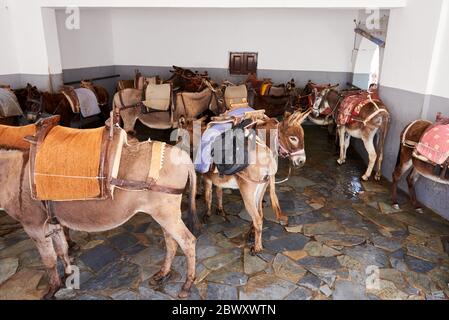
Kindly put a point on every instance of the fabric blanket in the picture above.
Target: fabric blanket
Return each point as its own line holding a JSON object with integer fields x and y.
{"x": 67, "y": 164}
{"x": 9, "y": 106}
{"x": 204, "y": 159}
{"x": 88, "y": 102}
{"x": 434, "y": 144}
{"x": 13, "y": 137}
{"x": 351, "y": 106}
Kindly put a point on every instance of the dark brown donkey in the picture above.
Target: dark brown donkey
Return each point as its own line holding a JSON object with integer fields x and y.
{"x": 39, "y": 102}
{"x": 410, "y": 138}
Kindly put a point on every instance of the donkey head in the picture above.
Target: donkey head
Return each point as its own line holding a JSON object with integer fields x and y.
{"x": 291, "y": 138}
{"x": 320, "y": 94}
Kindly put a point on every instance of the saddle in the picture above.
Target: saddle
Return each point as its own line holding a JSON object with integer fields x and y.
{"x": 158, "y": 97}
{"x": 216, "y": 141}
{"x": 191, "y": 104}
{"x": 433, "y": 147}
{"x": 72, "y": 164}
{"x": 14, "y": 137}
{"x": 351, "y": 106}
{"x": 235, "y": 95}
{"x": 230, "y": 150}
{"x": 82, "y": 100}
{"x": 88, "y": 84}
{"x": 9, "y": 105}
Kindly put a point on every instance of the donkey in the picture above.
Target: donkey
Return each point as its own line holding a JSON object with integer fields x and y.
{"x": 102, "y": 215}
{"x": 410, "y": 138}
{"x": 256, "y": 178}
{"x": 39, "y": 102}
{"x": 373, "y": 118}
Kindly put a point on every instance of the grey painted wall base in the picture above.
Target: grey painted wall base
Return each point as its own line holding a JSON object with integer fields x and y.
{"x": 405, "y": 107}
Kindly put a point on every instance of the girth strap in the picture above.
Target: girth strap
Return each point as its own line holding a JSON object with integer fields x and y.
{"x": 150, "y": 185}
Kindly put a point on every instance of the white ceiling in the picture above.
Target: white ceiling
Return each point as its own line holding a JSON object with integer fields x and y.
{"x": 332, "y": 4}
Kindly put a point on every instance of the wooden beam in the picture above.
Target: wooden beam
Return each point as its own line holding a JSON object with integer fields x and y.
{"x": 370, "y": 37}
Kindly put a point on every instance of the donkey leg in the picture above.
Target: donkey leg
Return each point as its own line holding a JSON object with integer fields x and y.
{"x": 372, "y": 155}
{"x": 411, "y": 180}
{"x": 62, "y": 250}
{"x": 174, "y": 226}
{"x": 400, "y": 169}
{"x": 252, "y": 197}
{"x": 282, "y": 218}
{"x": 342, "y": 135}
{"x": 73, "y": 246}
{"x": 165, "y": 271}
{"x": 220, "y": 209}
{"x": 207, "y": 198}
{"x": 49, "y": 258}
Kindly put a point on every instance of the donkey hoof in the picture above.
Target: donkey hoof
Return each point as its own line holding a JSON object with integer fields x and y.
{"x": 205, "y": 218}
{"x": 159, "y": 278}
{"x": 396, "y": 207}
{"x": 419, "y": 210}
{"x": 377, "y": 177}
{"x": 283, "y": 221}
{"x": 365, "y": 178}
{"x": 184, "y": 293}
{"x": 50, "y": 295}
{"x": 253, "y": 251}
{"x": 341, "y": 162}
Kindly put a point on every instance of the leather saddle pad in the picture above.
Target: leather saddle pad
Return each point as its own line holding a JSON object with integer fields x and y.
{"x": 193, "y": 103}
{"x": 82, "y": 100}
{"x": 235, "y": 95}
{"x": 9, "y": 105}
{"x": 158, "y": 96}
{"x": 276, "y": 91}
{"x": 13, "y": 137}
{"x": 67, "y": 164}
{"x": 434, "y": 144}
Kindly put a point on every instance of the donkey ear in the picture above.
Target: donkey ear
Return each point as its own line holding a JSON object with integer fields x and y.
{"x": 303, "y": 116}
{"x": 439, "y": 117}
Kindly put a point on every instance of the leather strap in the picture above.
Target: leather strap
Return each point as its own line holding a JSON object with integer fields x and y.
{"x": 131, "y": 185}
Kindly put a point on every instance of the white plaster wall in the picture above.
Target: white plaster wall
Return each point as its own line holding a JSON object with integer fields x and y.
{"x": 8, "y": 62}
{"x": 410, "y": 45}
{"x": 89, "y": 46}
{"x": 440, "y": 85}
{"x": 295, "y": 39}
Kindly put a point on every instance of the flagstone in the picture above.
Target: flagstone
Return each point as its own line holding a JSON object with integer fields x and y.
{"x": 287, "y": 269}
{"x": 266, "y": 287}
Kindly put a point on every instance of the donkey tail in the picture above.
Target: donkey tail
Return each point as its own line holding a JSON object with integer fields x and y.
{"x": 193, "y": 221}
{"x": 383, "y": 131}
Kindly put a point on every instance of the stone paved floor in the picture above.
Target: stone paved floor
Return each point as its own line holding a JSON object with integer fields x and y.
{"x": 342, "y": 235}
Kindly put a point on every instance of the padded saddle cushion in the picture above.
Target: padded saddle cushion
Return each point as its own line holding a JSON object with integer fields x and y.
{"x": 434, "y": 144}
{"x": 235, "y": 95}
{"x": 67, "y": 164}
{"x": 9, "y": 105}
{"x": 192, "y": 104}
{"x": 158, "y": 96}
{"x": 13, "y": 137}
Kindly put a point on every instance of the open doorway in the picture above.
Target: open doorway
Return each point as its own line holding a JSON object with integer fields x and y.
{"x": 366, "y": 64}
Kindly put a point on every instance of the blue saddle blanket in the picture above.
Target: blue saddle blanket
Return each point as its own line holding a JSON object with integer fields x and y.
{"x": 203, "y": 158}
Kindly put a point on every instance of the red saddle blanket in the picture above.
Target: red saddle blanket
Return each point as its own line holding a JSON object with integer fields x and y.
{"x": 350, "y": 107}
{"x": 434, "y": 144}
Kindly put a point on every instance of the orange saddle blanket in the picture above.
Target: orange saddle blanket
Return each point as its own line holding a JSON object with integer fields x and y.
{"x": 13, "y": 137}
{"x": 67, "y": 165}
{"x": 350, "y": 107}
{"x": 434, "y": 144}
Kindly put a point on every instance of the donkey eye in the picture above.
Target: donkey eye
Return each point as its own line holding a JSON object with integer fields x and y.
{"x": 294, "y": 140}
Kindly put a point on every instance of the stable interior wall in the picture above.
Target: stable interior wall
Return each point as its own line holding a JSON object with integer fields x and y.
{"x": 296, "y": 43}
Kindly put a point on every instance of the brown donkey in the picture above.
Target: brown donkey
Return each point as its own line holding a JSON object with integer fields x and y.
{"x": 102, "y": 215}
{"x": 256, "y": 178}
{"x": 410, "y": 138}
{"x": 361, "y": 115}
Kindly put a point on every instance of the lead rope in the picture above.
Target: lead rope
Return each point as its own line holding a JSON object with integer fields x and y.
{"x": 278, "y": 144}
